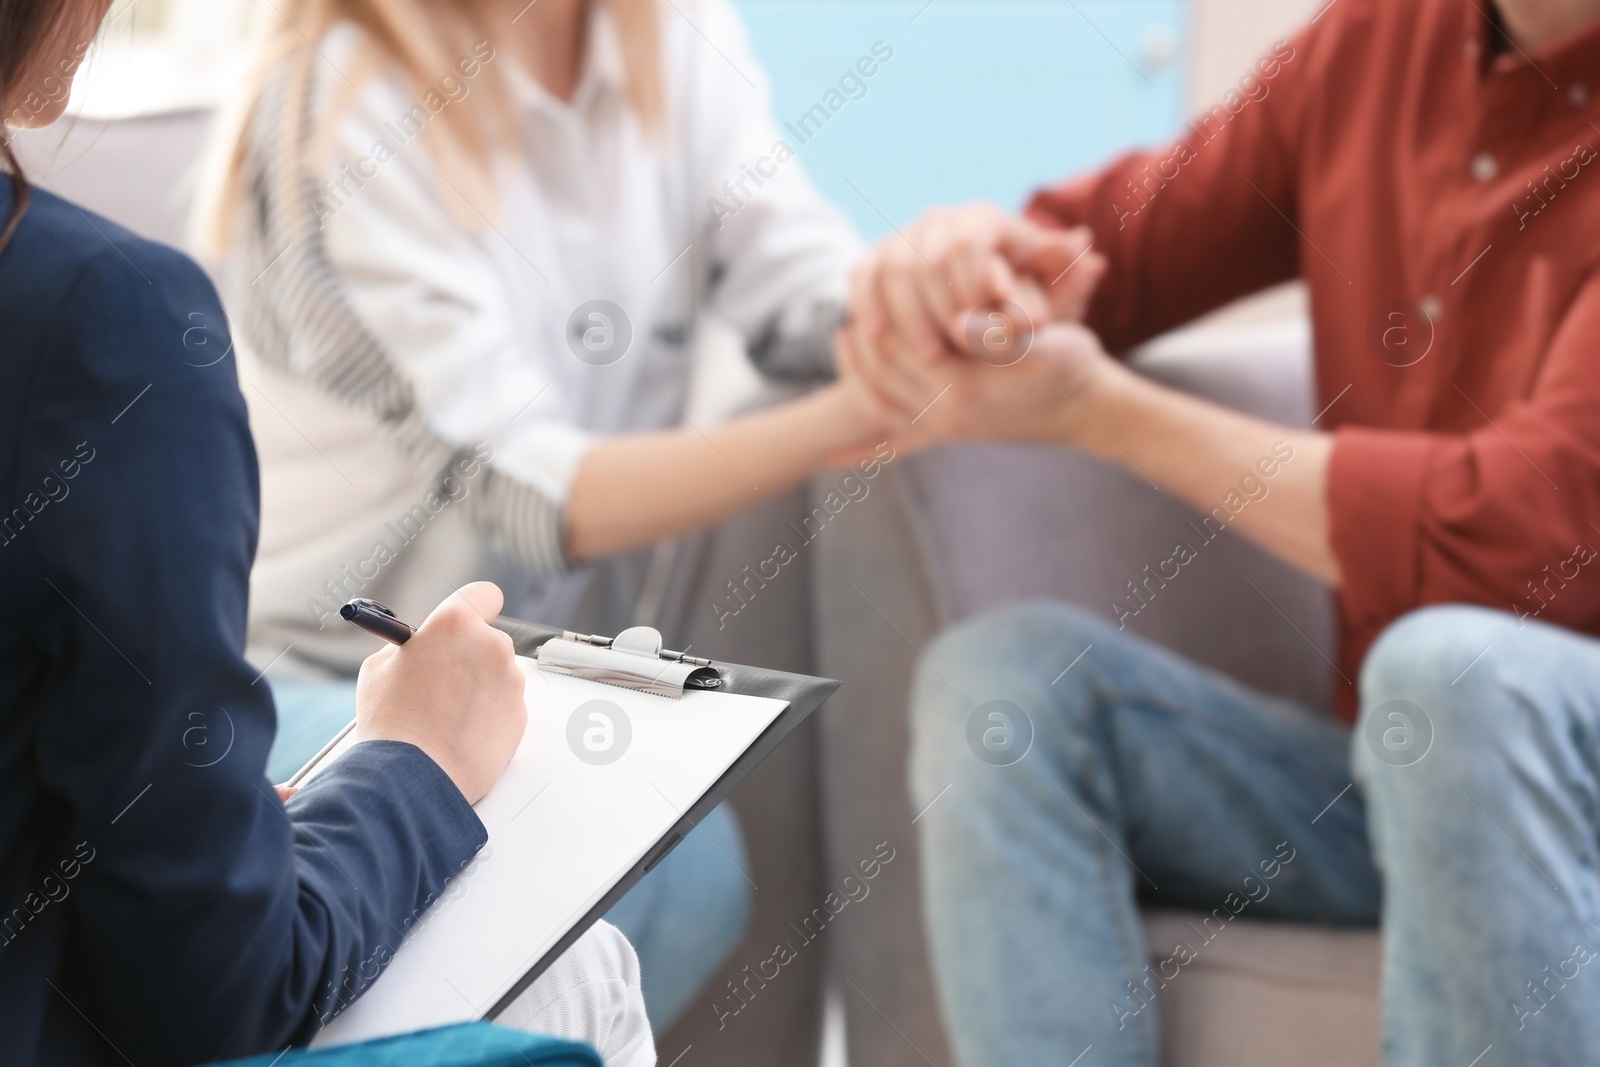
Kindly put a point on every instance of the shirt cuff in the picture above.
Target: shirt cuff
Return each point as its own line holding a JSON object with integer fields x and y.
{"x": 798, "y": 347}
{"x": 1375, "y": 486}
{"x": 544, "y": 456}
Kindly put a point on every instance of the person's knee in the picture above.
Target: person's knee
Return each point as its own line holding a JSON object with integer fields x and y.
{"x": 608, "y": 954}
{"x": 1444, "y": 699}
{"x": 615, "y": 999}
{"x": 1006, "y": 661}
{"x": 592, "y": 993}
{"x": 595, "y": 978}
{"x": 1423, "y": 655}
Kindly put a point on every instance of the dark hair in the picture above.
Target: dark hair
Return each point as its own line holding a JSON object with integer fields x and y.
{"x": 26, "y": 26}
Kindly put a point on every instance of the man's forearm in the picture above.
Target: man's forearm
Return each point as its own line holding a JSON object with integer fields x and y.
{"x": 1271, "y": 481}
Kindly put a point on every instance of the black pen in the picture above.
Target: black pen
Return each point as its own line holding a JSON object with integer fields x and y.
{"x": 377, "y": 620}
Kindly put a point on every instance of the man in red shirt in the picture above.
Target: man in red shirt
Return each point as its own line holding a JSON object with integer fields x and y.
{"x": 1431, "y": 169}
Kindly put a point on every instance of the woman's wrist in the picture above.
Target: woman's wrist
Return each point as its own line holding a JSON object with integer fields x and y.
{"x": 846, "y": 415}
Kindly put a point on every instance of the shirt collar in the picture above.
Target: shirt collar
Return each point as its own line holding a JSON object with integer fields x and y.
{"x": 1578, "y": 56}
{"x": 604, "y": 69}
{"x": 603, "y": 62}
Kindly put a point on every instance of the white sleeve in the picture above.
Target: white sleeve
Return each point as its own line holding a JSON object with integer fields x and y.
{"x": 424, "y": 286}
{"x": 781, "y": 252}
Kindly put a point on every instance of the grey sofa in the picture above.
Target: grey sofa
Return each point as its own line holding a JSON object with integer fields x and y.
{"x": 960, "y": 530}
{"x": 938, "y": 538}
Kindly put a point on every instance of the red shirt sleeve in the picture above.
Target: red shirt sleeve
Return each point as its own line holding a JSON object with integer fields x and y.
{"x": 1507, "y": 515}
{"x": 1204, "y": 220}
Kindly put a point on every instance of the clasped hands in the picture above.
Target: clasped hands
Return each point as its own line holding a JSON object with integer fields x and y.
{"x": 968, "y": 327}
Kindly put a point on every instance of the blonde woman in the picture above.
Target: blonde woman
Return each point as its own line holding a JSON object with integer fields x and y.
{"x": 469, "y": 245}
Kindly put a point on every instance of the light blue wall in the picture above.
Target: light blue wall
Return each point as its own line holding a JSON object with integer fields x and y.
{"x": 983, "y": 99}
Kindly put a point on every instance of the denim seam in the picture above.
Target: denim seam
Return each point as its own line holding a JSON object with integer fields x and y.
{"x": 1130, "y": 942}
{"x": 1158, "y": 703}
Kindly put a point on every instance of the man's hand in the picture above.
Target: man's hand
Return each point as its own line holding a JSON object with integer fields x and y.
{"x": 454, "y": 690}
{"x": 920, "y": 284}
{"x": 953, "y": 397}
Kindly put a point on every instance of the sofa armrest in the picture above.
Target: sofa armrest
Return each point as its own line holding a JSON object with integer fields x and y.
{"x": 999, "y": 523}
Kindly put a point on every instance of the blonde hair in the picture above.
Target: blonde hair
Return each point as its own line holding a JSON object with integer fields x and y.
{"x": 424, "y": 41}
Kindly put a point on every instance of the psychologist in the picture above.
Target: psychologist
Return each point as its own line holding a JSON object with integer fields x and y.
{"x": 159, "y": 902}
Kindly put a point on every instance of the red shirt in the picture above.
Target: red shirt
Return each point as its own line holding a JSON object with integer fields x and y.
{"x": 1442, "y": 203}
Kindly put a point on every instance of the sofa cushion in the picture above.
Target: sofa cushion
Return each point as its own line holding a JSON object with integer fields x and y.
{"x": 1262, "y": 994}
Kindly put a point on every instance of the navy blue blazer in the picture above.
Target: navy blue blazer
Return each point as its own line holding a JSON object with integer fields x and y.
{"x": 158, "y": 903}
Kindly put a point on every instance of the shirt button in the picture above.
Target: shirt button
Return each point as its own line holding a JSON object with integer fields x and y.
{"x": 1578, "y": 95}
{"x": 1484, "y": 168}
{"x": 1431, "y": 306}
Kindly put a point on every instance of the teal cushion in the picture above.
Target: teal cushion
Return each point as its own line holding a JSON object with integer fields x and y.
{"x": 463, "y": 1045}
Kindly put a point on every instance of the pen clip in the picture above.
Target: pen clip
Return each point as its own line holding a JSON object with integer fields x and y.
{"x": 374, "y": 605}
{"x": 377, "y": 619}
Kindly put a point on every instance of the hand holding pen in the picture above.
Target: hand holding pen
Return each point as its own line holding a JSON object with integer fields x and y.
{"x": 451, "y": 686}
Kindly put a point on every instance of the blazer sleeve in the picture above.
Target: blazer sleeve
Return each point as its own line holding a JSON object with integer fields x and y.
{"x": 211, "y": 921}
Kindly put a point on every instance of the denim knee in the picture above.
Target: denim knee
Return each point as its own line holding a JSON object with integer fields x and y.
{"x": 1442, "y": 697}
{"x": 1010, "y": 655}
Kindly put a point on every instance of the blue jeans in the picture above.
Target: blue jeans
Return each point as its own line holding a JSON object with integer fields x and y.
{"x": 683, "y": 918}
{"x": 1056, "y": 802}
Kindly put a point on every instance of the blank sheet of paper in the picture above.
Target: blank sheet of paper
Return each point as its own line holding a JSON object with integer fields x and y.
{"x": 587, "y": 796}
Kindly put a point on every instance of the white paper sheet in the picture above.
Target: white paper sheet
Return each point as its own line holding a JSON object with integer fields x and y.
{"x": 562, "y": 831}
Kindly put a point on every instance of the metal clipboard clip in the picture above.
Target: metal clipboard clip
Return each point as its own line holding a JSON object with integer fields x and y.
{"x": 634, "y": 659}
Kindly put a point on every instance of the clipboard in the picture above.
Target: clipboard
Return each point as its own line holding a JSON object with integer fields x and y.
{"x": 804, "y": 694}
{"x": 633, "y": 660}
